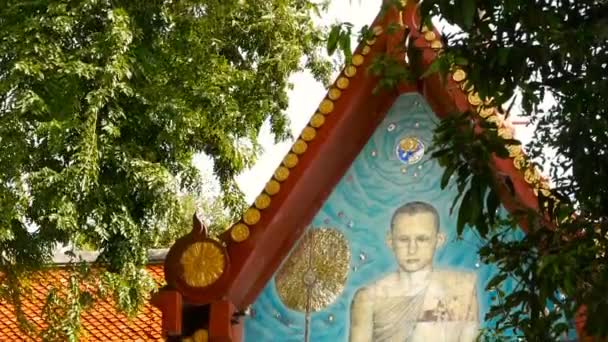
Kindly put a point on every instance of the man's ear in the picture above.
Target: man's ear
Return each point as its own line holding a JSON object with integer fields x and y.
{"x": 440, "y": 239}
{"x": 389, "y": 239}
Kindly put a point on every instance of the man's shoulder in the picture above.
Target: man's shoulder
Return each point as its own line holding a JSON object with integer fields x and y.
{"x": 372, "y": 289}
{"x": 461, "y": 279}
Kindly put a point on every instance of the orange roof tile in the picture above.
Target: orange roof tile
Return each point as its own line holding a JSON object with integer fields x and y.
{"x": 102, "y": 322}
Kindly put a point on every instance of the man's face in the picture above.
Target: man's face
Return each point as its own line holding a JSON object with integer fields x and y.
{"x": 414, "y": 239}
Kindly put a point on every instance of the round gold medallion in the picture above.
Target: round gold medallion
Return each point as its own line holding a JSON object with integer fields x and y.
{"x": 342, "y": 83}
{"x": 240, "y": 232}
{"x": 531, "y": 175}
{"x": 252, "y": 216}
{"x": 505, "y": 133}
{"x": 514, "y": 150}
{"x": 357, "y": 59}
{"x": 308, "y": 133}
{"x": 317, "y": 120}
{"x": 484, "y": 112}
{"x": 519, "y": 162}
{"x": 290, "y": 160}
{"x": 350, "y": 71}
{"x": 429, "y": 36}
{"x": 366, "y": 49}
{"x": 326, "y": 106}
{"x": 436, "y": 44}
{"x": 495, "y": 119}
{"x": 262, "y": 201}
{"x": 272, "y": 187}
{"x": 203, "y": 263}
{"x": 474, "y": 99}
{"x": 315, "y": 271}
{"x": 377, "y": 30}
{"x": 299, "y": 146}
{"x": 459, "y": 75}
{"x": 281, "y": 173}
{"x": 334, "y": 94}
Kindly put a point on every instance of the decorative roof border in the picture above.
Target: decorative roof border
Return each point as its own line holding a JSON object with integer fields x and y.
{"x": 240, "y": 231}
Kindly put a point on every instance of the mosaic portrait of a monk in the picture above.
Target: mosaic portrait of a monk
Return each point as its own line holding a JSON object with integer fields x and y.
{"x": 417, "y": 302}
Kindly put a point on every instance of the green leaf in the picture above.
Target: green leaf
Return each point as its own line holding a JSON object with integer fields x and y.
{"x": 496, "y": 281}
{"x": 468, "y": 12}
{"x": 447, "y": 173}
{"x": 492, "y": 202}
{"x": 332, "y": 39}
{"x": 435, "y": 67}
{"x": 464, "y": 212}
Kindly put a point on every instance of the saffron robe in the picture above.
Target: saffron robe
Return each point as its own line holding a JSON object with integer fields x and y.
{"x": 442, "y": 308}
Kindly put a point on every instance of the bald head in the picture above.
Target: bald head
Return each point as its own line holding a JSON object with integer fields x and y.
{"x": 414, "y": 208}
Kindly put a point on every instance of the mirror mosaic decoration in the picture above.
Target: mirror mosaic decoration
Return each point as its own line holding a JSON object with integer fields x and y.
{"x": 380, "y": 260}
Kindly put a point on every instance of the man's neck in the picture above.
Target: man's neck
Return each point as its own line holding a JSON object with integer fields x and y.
{"x": 415, "y": 280}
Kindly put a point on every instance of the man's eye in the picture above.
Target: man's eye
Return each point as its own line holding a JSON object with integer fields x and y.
{"x": 423, "y": 238}
{"x": 404, "y": 239}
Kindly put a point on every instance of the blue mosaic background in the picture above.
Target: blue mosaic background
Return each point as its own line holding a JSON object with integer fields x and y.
{"x": 361, "y": 206}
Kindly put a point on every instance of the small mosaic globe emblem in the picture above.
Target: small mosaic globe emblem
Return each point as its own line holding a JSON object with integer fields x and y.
{"x": 410, "y": 150}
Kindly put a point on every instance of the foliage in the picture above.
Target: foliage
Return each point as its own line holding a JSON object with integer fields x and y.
{"x": 103, "y": 105}
{"x": 216, "y": 217}
{"x": 552, "y": 57}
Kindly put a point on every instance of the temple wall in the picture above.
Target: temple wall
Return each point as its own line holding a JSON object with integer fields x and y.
{"x": 345, "y": 252}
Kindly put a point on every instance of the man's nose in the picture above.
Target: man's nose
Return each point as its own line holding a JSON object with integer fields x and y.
{"x": 412, "y": 247}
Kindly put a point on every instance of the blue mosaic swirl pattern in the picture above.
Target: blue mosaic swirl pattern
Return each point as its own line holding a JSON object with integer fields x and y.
{"x": 361, "y": 206}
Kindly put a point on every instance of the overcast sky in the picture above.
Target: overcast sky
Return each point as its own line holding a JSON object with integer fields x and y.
{"x": 304, "y": 98}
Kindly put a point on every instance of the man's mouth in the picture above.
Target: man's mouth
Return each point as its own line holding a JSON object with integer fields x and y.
{"x": 412, "y": 261}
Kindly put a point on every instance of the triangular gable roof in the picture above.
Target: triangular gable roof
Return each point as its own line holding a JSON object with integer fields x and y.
{"x": 337, "y": 131}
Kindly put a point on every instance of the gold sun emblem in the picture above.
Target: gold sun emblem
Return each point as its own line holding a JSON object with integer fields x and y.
{"x": 203, "y": 264}
{"x": 408, "y": 144}
{"x": 315, "y": 273}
